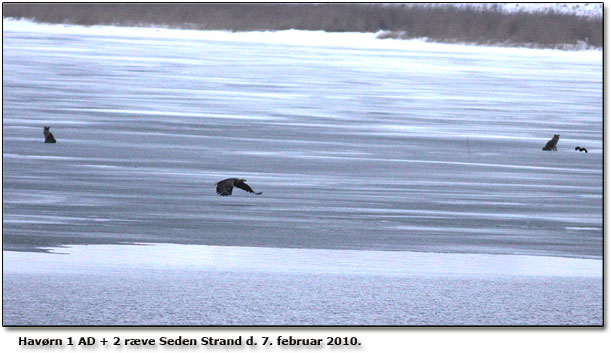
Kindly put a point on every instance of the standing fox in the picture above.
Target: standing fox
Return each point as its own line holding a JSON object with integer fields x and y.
{"x": 48, "y": 135}
{"x": 551, "y": 144}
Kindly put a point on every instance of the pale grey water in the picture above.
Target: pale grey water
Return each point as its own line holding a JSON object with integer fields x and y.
{"x": 167, "y": 284}
{"x": 354, "y": 147}
{"x": 226, "y": 298}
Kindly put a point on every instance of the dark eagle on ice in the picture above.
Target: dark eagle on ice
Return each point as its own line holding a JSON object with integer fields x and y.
{"x": 224, "y": 187}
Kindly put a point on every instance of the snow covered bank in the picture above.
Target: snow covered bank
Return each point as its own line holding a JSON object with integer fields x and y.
{"x": 102, "y": 258}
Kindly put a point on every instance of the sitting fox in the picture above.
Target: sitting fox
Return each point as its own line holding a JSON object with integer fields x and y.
{"x": 551, "y": 144}
{"x": 48, "y": 135}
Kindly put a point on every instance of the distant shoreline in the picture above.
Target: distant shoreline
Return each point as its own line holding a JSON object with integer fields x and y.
{"x": 445, "y": 24}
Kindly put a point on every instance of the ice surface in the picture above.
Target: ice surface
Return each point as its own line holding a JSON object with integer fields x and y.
{"x": 345, "y": 43}
{"x": 210, "y": 285}
{"x": 356, "y": 143}
{"x": 104, "y": 258}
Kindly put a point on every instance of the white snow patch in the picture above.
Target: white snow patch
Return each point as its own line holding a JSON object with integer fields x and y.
{"x": 299, "y": 38}
{"x": 102, "y": 258}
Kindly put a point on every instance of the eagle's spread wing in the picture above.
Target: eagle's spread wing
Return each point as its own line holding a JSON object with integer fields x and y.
{"x": 224, "y": 187}
{"x": 242, "y": 185}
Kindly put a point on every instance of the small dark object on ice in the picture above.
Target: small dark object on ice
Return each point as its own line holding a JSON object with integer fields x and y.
{"x": 48, "y": 135}
{"x": 581, "y": 149}
{"x": 551, "y": 144}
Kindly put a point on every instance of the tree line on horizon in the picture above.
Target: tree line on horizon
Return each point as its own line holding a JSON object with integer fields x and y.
{"x": 436, "y": 23}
